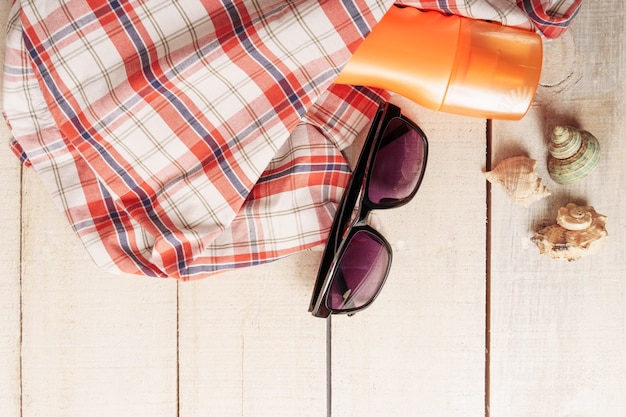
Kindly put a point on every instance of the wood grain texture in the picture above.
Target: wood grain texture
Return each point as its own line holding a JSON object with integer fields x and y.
{"x": 92, "y": 343}
{"x": 419, "y": 351}
{"x": 75, "y": 341}
{"x": 248, "y": 347}
{"x": 558, "y": 329}
{"x": 10, "y": 248}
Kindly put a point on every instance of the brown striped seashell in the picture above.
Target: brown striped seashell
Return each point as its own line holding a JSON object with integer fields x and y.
{"x": 518, "y": 176}
{"x": 578, "y": 232}
{"x": 574, "y": 153}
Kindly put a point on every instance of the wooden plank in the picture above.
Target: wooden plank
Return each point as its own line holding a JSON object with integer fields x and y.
{"x": 93, "y": 343}
{"x": 248, "y": 346}
{"x": 558, "y": 329}
{"x": 10, "y": 188}
{"x": 419, "y": 350}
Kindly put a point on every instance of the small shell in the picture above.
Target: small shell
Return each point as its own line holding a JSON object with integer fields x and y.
{"x": 518, "y": 177}
{"x": 569, "y": 239}
{"x": 574, "y": 153}
{"x": 573, "y": 217}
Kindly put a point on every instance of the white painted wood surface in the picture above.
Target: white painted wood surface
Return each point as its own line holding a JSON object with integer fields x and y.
{"x": 10, "y": 272}
{"x": 558, "y": 329}
{"x": 92, "y": 344}
{"x": 75, "y": 341}
{"x": 248, "y": 346}
{"x": 419, "y": 351}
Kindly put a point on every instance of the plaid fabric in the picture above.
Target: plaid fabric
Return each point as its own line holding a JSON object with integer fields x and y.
{"x": 548, "y": 17}
{"x": 186, "y": 138}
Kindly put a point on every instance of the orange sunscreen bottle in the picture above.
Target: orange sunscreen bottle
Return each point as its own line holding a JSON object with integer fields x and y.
{"x": 450, "y": 63}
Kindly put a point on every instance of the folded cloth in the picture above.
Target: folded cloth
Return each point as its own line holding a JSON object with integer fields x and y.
{"x": 186, "y": 138}
{"x": 548, "y": 17}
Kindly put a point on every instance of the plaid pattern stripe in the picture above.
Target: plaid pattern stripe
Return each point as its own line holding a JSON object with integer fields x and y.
{"x": 548, "y": 17}
{"x": 187, "y": 138}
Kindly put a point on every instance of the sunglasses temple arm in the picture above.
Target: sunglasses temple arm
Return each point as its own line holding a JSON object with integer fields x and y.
{"x": 349, "y": 198}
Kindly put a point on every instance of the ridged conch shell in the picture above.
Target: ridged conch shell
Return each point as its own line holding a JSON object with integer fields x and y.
{"x": 574, "y": 153}
{"x": 578, "y": 232}
{"x": 518, "y": 177}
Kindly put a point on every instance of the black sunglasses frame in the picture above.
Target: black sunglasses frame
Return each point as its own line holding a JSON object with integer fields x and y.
{"x": 339, "y": 237}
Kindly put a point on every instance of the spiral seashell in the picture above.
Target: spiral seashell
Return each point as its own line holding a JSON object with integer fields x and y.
{"x": 573, "y": 217}
{"x": 578, "y": 232}
{"x": 574, "y": 153}
{"x": 518, "y": 177}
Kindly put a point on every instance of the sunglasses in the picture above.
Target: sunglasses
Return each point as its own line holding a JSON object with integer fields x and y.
{"x": 357, "y": 258}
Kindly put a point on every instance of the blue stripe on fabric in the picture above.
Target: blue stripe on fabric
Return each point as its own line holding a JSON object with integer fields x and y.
{"x": 530, "y": 10}
{"x": 271, "y": 113}
{"x": 306, "y": 169}
{"x": 145, "y": 65}
{"x": 121, "y": 232}
{"x": 357, "y": 18}
{"x": 279, "y": 77}
{"x": 443, "y": 5}
{"x": 74, "y": 26}
{"x": 70, "y": 114}
{"x": 182, "y": 109}
{"x": 85, "y": 135}
{"x": 205, "y": 269}
{"x": 252, "y": 234}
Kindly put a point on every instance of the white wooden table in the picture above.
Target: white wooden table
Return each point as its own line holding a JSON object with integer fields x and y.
{"x": 473, "y": 321}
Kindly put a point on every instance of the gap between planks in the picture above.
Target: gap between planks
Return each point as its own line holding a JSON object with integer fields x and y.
{"x": 488, "y": 149}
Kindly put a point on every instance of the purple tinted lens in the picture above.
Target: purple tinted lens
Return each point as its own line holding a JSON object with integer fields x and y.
{"x": 360, "y": 272}
{"x": 398, "y": 163}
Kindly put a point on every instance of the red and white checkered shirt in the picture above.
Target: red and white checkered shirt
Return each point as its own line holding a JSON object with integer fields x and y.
{"x": 183, "y": 138}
